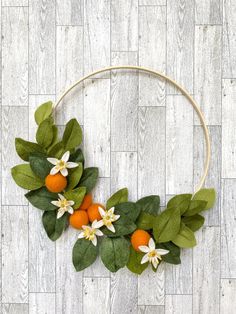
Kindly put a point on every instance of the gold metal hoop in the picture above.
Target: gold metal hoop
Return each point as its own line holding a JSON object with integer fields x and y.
{"x": 168, "y": 79}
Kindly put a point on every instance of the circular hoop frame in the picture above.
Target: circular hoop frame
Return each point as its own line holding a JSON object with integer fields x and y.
{"x": 168, "y": 79}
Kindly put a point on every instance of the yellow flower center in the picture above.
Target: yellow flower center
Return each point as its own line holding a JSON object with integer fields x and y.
{"x": 108, "y": 219}
{"x": 89, "y": 233}
{"x": 63, "y": 203}
{"x": 152, "y": 254}
{"x": 61, "y": 164}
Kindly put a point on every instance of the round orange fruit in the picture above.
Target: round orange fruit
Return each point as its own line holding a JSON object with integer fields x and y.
{"x": 87, "y": 201}
{"x": 93, "y": 212}
{"x": 138, "y": 238}
{"x": 55, "y": 183}
{"x": 78, "y": 219}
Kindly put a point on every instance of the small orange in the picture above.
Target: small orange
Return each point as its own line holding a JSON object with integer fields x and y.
{"x": 139, "y": 237}
{"x": 87, "y": 201}
{"x": 56, "y": 183}
{"x": 93, "y": 212}
{"x": 78, "y": 219}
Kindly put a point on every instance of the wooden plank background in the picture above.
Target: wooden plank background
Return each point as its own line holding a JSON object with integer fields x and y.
{"x": 139, "y": 131}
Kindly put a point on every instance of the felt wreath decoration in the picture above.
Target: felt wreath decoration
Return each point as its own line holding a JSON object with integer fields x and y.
{"x": 124, "y": 233}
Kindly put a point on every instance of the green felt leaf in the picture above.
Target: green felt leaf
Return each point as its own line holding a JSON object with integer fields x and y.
{"x": 166, "y": 226}
{"x": 24, "y": 148}
{"x": 134, "y": 262}
{"x": 173, "y": 257}
{"x": 123, "y": 226}
{"x": 43, "y": 112}
{"x": 114, "y": 253}
{"x": 194, "y": 222}
{"x": 74, "y": 177}
{"x": 120, "y": 196}
{"x": 77, "y": 156}
{"x": 195, "y": 207}
{"x": 42, "y": 198}
{"x": 44, "y": 135}
{"x": 180, "y": 201}
{"x": 185, "y": 238}
{"x": 76, "y": 195}
{"x": 129, "y": 209}
{"x": 208, "y": 195}
{"x": 145, "y": 221}
{"x": 25, "y": 178}
{"x": 54, "y": 227}
{"x": 72, "y": 136}
{"x": 84, "y": 254}
{"x": 89, "y": 178}
{"x": 39, "y": 165}
{"x": 56, "y": 150}
{"x": 55, "y": 135}
{"x": 150, "y": 204}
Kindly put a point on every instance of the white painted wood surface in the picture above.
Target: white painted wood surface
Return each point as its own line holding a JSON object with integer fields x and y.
{"x": 138, "y": 131}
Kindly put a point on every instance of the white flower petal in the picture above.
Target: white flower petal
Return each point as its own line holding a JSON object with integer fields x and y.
{"x": 144, "y": 248}
{"x": 111, "y": 228}
{"x": 155, "y": 262}
{"x": 70, "y": 210}
{"x": 64, "y": 172}
{"x": 99, "y": 232}
{"x": 94, "y": 241}
{"x": 144, "y": 259}
{"x": 162, "y": 252}
{"x": 56, "y": 203}
{"x": 111, "y": 210}
{"x": 53, "y": 171}
{"x": 81, "y": 235}
{"x": 151, "y": 244}
{"x": 101, "y": 211}
{"x": 70, "y": 164}
{"x": 97, "y": 224}
{"x": 61, "y": 196}
{"x": 85, "y": 227}
{"x": 53, "y": 161}
{"x": 71, "y": 203}
{"x": 66, "y": 156}
{"x": 116, "y": 217}
{"x": 60, "y": 213}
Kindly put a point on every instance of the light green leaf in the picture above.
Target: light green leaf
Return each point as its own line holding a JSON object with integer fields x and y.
{"x": 24, "y": 148}
{"x": 195, "y": 207}
{"x": 72, "y": 136}
{"x": 120, "y": 196}
{"x": 134, "y": 263}
{"x": 208, "y": 195}
{"x": 129, "y": 209}
{"x": 84, "y": 254}
{"x": 56, "y": 150}
{"x": 74, "y": 176}
{"x": 194, "y": 222}
{"x": 76, "y": 195}
{"x": 44, "y": 135}
{"x": 123, "y": 226}
{"x": 180, "y": 201}
{"x": 54, "y": 227}
{"x": 114, "y": 253}
{"x": 89, "y": 178}
{"x": 173, "y": 257}
{"x": 145, "y": 221}
{"x": 25, "y": 178}
{"x": 42, "y": 198}
{"x": 43, "y": 112}
{"x": 166, "y": 226}
{"x": 55, "y": 135}
{"x": 150, "y": 204}
{"x": 185, "y": 238}
{"x": 39, "y": 165}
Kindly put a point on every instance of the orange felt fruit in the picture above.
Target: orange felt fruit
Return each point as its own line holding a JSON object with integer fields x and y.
{"x": 55, "y": 183}
{"x": 78, "y": 219}
{"x": 138, "y": 238}
{"x": 87, "y": 201}
{"x": 93, "y": 212}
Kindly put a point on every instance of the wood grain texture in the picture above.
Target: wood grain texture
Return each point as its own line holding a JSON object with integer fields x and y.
{"x": 14, "y": 254}
{"x": 228, "y": 227}
{"x": 70, "y": 12}
{"x": 152, "y": 2}
{"x": 42, "y": 46}
{"x": 151, "y": 309}
{"x": 152, "y": 54}
{"x": 178, "y": 304}
{"x": 15, "y": 309}
{"x": 180, "y": 43}
{"x": 42, "y": 303}
{"x": 14, "y": 56}
{"x": 208, "y": 12}
{"x": 14, "y": 3}
{"x": 227, "y": 296}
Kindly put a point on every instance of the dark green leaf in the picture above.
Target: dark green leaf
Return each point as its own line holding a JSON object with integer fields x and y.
{"x": 134, "y": 263}
{"x": 77, "y": 156}
{"x": 54, "y": 227}
{"x": 166, "y": 226}
{"x": 39, "y": 165}
{"x": 42, "y": 198}
{"x": 114, "y": 253}
{"x": 195, "y": 207}
{"x": 24, "y": 149}
{"x": 74, "y": 177}
{"x": 55, "y": 135}
{"x": 72, "y": 136}
{"x": 25, "y": 178}
{"x": 84, "y": 254}
{"x": 129, "y": 209}
{"x": 145, "y": 221}
{"x": 44, "y": 135}
{"x": 56, "y": 150}
{"x": 173, "y": 257}
{"x": 123, "y": 226}
{"x": 120, "y": 196}
{"x": 76, "y": 195}
{"x": 43, "y": 112}
{"x": 208, "y": 195}
{"x": 89, "y": 178}
{"x": 185, "y": 238}
{"x": 194, "y": 222}
{"x": 180, "y": 201}
{"x": 150, "y": 204}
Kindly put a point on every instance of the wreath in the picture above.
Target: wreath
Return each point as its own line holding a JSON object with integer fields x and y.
{"x": 124, "y": 233}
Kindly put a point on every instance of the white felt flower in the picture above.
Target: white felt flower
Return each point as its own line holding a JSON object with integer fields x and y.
{"x": 62, "y": 164}
{"x": 108, "y": 217}
{"x": 152, "y": 255}
{"x": 64, "y": 206}
{"x": 91, "y": 232}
